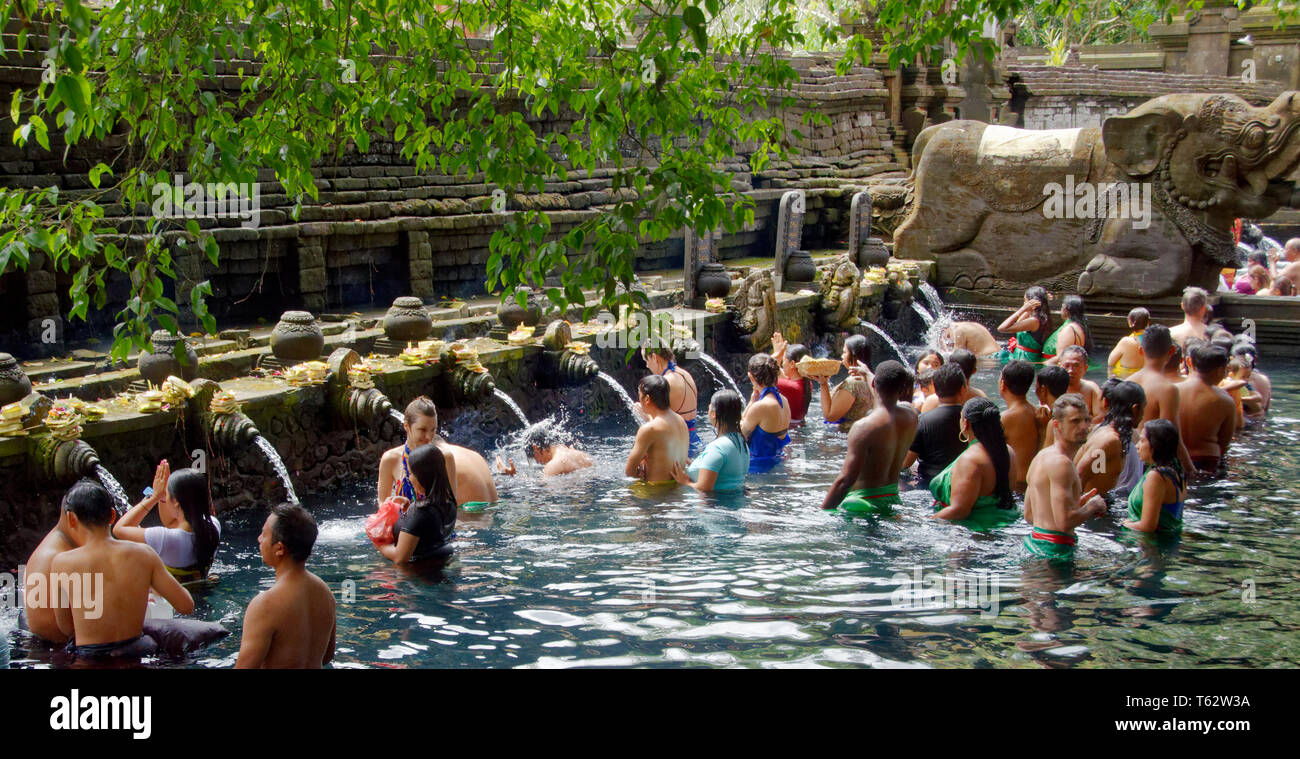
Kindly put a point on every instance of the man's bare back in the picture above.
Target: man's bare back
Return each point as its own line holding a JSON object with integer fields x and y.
{"x": 296, "y": 618}
{"x": 36, "y": 603}
{"x": 882, "y": 440}
{"x": 113, "y": 604}
{"x": 1207, "y": 418}
{"x": 474, "y": 481}
{"x": 1024, "y": 434}
{"x": 662, "y": 442}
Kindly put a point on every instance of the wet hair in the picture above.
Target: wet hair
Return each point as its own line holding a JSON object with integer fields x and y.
{"x": 1175, "y": 359}
{"x": 924, "y": 356}
{"x": 764, "y": 369}
{"x": 1139, "y": 318}
{"x": 1125, "y": 403}
{"x": 655, "y": 388}
{"x": 422, "y": 406}
{"x": 659, "y": 348}
{"x": 986, "y": 424}
{"x": 89, "y": 502}
{"x": 190, "y": 489}
{"x": 1223, "y": 339}
{"x": 295, "y": 527}
{"x": 1073, "y": 308}
{"x": 1236, "y": 364}
{"x": 429, "y": 468}
{"x": 1208, "y": 358}
{"x": 894, "y": 379}
{"x": 1055, "y": 378}
{"x": 542, "y": 435}
{"x": 925, "y": 378}
{"x": 727, "y": 408}
{"x": 1079, "y": 349}
{"x": 1246, "y": 350}
{"x": 1061, "y": 406}
{"x": 1156, "y": 340}
{"x": 1162, "y": 434}
{"x": 948, "y": 380}
{"x": 1018, "y": 376}
{"x": 1194, "y": 299}
{"x": 859, "y": 349}
{"x": 965, "y": 359}
{"x": 1043, "y": 314}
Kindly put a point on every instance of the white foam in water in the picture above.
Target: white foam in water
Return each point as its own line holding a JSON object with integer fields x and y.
{"x": 273, "y": 456}
{"x": 341, "y": 530}
{"x": 885, "y": 336}
{"x": 114, "y": 488}
{"x": 513, "y": 406}
{"x": 627, "y": 399}
{"x": 718, "y": 368}
{"x": 925, "y": 315}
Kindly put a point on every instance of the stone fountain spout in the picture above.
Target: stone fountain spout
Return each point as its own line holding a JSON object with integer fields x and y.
{"x": 352, "y": 394}
{"x": 226, "y": 428}
{"x": 61, "y": 462}
{"x": 470, "y": 383}
{"x": 564, "y": 363}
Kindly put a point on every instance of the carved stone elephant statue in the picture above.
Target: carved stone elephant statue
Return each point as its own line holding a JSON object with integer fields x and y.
{"x": 1141, "y": 207}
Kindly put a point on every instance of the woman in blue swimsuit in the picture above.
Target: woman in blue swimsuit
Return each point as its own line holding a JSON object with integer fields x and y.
{"x": 767, "y": 418}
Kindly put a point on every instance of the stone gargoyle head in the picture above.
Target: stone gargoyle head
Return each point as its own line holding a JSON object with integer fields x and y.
{"x": 1211, "y": 152}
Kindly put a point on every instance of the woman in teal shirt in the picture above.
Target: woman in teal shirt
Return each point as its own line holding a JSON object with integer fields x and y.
{"x": 723, "y": 463}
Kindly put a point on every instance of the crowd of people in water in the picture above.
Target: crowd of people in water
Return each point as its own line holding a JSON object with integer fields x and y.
{"x": 1171, "y": 406}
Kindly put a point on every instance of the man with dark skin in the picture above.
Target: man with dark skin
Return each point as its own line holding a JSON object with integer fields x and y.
{"x": 662, "y": 441}
{"x": 108, "y": 620}
{"x": 1019, "y": 422}
{"x": 1162, "y": 395}
{"x": 292, "y": 624}
{"x": 1207, "y": 416}
{"x": 39, "y": 614}
{"x": 1053, "y": 505}
{"x": 877, "y": 447}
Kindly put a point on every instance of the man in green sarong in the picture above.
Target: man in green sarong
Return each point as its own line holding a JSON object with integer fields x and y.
{"x": 878, "y": 445}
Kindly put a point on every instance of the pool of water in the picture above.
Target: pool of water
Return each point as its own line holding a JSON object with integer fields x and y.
{"x": 586, "y": 571}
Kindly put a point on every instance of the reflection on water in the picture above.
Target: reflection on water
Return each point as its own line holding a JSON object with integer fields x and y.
{"x": 586, "y": 571}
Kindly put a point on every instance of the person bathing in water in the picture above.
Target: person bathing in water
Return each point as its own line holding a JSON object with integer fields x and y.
{"x": 107, "y": 620}
{"x": 663, "y": 441}
{"x": 970, "y": 336}
{"x": 1108, "y": 462}
{"x": 968, "y": 363}
{"x": 426, "y": 527}
{"x": 1161, "y": 394}
{"x": 546, "y": 446}
{"x": 1260, "y": 384}
{"x": 1156, "y": 505}
{"x": 724, "y": 462}
{"x": 1052, "y": 382}
{"x": 1126, "y": 358}
{"x": 1074, "y": 359}
{"x": 796, "y": 389}
{"x": 683, "y": 398}
{"x": 1030, "y": 324}
{"x": 1053, "y": 505}
{"x": 1196, "y": 313}
{"x": 188, "y": 538}
{"x": 290, "y": 625}
{"x": 766, "y": 422}
{"x": 878, "y": 446}
{"x": 1207, "y": 415}
{"x": 37, "y": 614}
{"x": 1073, "y": 331}
{"x": 471, "y": 477}
{"x": 976, "y": 487}
{"x": 924, "y": 374}
{"x": 852, "y": 398}
{"x": 1019, "y": 421}
{"x": 937, "y": 441}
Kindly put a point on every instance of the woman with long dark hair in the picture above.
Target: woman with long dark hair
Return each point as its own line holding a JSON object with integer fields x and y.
{"x": 1073, "y": 331}
{"x": 794, "y": 386}
{"x": 976, "y": 487}
{"x": 188, "y": 538}
{"x": 1109, "y": 461}
{"x": 1156, "y": 505}
{"x": 766, "y": 421}
{"x": 853, "y": 398}
{"x": 425, "y": 529}
{"x": 1031, "y": 324}
{"x": 723, "y": 463}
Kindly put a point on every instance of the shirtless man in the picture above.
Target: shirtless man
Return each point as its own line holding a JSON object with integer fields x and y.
{"x": 968, "y": 363}
{"x": 291, "y": 625}
{"x": 878, "y": 446}
{"x": 1291, "y": 269}
{"x": 683, "y": 397}
{"x": 662, "y": 441}
{"x": 1019, "y": 422}
{"x": 971, "y": 336}
{"x": 1052, "y": 382}
{"x": 1207, "y": 416}
{"x": 474, "y": 486}
{"x": 1196, "y": 309}
{"x": 1053, "y": 506}
{"x": 544, "y": 443}
{"x": 39, "y": 614}
{"x": 1162, "y": 395}
{"x": 1074, "y": 359}
{"x": 103, "y": 606}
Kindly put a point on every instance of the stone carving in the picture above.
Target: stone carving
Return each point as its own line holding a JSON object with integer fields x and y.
{"x": 1172, "y": 174}
{"x": 755, "y": 306}
{"x": 789, "y": 230}
{"x": 14, "y": 385}
{"x": 840, "y": 280}
{"x": 297, "y": 337}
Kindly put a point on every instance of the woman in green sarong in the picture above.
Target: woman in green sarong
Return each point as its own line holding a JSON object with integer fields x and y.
{"x": 1162, "y": 486}
{"x": 975, "y": 489}
{"x": 1073, "y": 331}
{"x": 1031, "y": 324}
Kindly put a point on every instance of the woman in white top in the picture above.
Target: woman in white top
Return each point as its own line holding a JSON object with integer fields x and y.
{"x": 188, "y": 538}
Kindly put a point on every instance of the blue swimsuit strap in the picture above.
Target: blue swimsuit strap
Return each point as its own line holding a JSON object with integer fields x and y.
{"x": 672, "y": 367}
{"x": 772, "y": 390}
{"x": 406, "y": 488}
{"x": 1175, "y": 477}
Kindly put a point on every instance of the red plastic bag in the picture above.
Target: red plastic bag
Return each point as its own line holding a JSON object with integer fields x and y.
{"x": 379, "y": 526}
